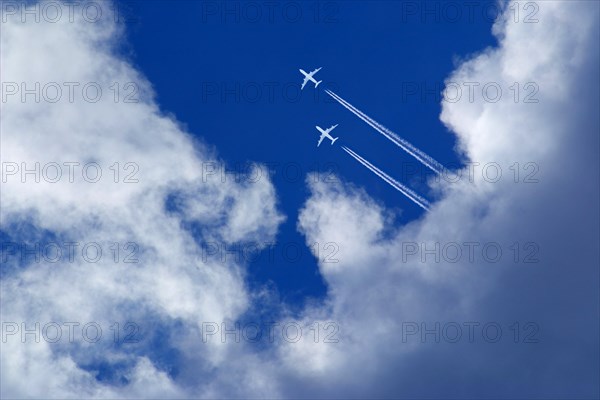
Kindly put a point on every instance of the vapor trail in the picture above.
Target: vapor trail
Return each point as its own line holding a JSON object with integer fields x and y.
{"x": 427, "y": 160}
{"x": 420, "y": 201}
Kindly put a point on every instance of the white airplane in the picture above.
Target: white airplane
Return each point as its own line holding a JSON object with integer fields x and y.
{"x": 308, "y": 76}
{"x": 325, "y": 134}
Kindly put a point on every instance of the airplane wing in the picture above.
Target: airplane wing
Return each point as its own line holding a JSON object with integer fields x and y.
{"x": 331, "y": 128}
{"x": 304, "y": 83}
{"x": 320, "y": 140}
{"x": 315, "y": 71}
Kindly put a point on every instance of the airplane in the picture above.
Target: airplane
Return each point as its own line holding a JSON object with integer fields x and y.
{"x": 308, "y": 76}
{"x": 325, "y": 134}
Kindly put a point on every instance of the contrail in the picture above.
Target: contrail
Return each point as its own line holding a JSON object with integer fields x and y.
{"x": 406, "y": 146}
{"x": 421, "y": 202}
{"x": 405, "y": 190}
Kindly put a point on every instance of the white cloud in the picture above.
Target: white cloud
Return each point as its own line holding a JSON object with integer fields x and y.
{"x": 371, "y": 290}
{"x": 171, "y": 284}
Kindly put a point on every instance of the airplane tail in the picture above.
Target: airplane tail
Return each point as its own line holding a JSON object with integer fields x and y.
{"x": 317, "y": 84}
{"x": 333, "y": 141}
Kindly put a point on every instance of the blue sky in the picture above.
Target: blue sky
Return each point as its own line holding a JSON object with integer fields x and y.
{"x": 218, "y": 85}
{"x": 231, "y": 77}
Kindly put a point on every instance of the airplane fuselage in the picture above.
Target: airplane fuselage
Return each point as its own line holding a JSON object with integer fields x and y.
{"x": 308, "y": 77}
{"x": 325, "y": 134}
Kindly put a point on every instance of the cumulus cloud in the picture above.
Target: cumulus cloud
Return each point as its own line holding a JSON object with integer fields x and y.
{"x": 384, "y": 287}
{"x": 116, "y": 172}
{"x": 381, "y": 285}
